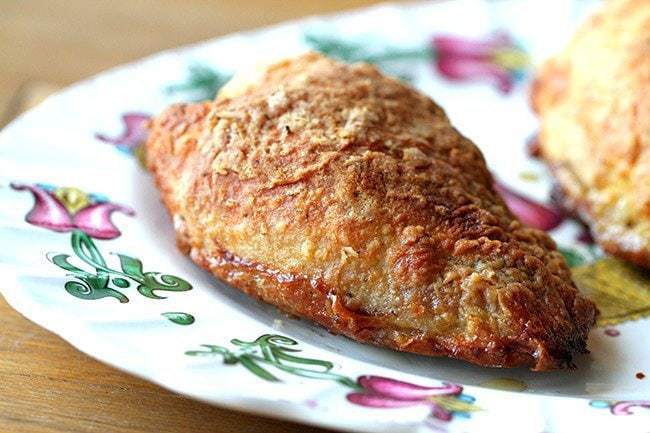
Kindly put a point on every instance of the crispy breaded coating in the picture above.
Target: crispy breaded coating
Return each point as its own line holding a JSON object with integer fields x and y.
{"x": 593, "y": 102}
{"x": 346, "y": 197}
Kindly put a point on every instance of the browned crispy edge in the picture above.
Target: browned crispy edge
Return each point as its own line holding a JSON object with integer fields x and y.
{"x": 311, "y": 299}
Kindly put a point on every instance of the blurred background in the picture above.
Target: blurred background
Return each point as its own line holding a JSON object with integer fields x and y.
{"x": 48, "y": 44}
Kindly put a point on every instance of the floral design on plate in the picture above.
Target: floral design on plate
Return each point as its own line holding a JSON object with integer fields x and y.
{"x": 277, "y": 351}
{"x": 106, "y": 281}
{"x": 64, "y": 209}
{"x": 134, "y": 134}
{"x": 132, "y": 137}
{"x": 495, "y": 58}
{"x": 445, "y": 400}
{"x": 628, "y": 407}
{"x": 271, "y": 350}
{"x": 620, "y": 290}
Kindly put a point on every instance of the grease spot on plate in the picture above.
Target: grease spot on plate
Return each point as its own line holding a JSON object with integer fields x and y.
{"x": 529, "y": 176}
{"x": 505, "y": 384}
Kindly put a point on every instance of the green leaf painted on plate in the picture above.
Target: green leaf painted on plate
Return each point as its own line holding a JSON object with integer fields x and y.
{"x": 572, "y": 257}
{"x": 202, "y": 82}
{"x": 122, "y": 283}
{"x": 179, "y": 318}
{"x": 97, "y": 284}
{"x": 130, "y": 266}
{"x": 274, "y": 352}
{"x": 349, "y": 51}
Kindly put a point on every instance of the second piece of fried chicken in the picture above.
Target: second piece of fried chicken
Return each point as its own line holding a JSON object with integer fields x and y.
{"x": 346, "y": 197}
{"x": 593, "y": 101}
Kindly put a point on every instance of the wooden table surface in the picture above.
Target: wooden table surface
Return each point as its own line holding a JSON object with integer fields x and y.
{"x": 46, "y": 386}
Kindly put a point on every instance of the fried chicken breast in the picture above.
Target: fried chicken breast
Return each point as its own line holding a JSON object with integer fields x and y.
{"x": 593, "y": 102}
{"x": 346, "y": 197}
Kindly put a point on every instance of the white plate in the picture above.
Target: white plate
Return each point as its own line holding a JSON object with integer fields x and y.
{"x": 74, "y": 139}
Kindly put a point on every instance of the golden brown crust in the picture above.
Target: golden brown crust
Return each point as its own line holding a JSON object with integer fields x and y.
{"x": 347, "y": 198}
{"x": 593, "y": 101}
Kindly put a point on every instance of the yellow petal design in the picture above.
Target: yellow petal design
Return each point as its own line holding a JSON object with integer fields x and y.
{"x": 140, "y": 153}
{"x": 620, "y": 290}
{"x": 511, "y": 59}
{"x": 72, "y": 198}
{"x": 454, "y": 404}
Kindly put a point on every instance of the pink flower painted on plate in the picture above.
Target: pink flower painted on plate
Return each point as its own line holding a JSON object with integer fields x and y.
{"x": 625, "y": 407}
{"x": 621, "y": 407}
{"x": 528, "y": 211}
{"x": 445, "y": 401}
{"x": 496, "y": 59}
{"x": 63, "y": 209}
{"x": 134, "y": 134}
